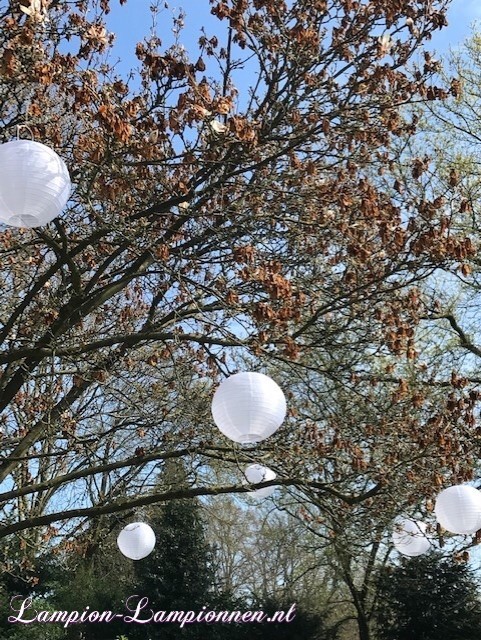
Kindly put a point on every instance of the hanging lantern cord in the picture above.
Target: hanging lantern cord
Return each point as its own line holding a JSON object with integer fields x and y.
{"x": 25, "y": 125}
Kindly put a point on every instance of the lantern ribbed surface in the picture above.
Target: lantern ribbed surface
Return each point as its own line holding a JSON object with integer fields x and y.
{"x": 409, "y": 537}
{"x": 458, "y": 509}
{"x": 248, "y": 407}
{"x": 34, "y": 184}
{"x": 136, "y": 540}
{"x": 256, "y": 473}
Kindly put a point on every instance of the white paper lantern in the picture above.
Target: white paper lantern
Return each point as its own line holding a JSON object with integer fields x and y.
{"x": 248, "y": 407}
{"x": 34, "y": 184}
{"x": 458, "y": 509}
{"x": 256, "y": 473}
{"x": 409, "y": 537}
{"x": 136, "y": 540}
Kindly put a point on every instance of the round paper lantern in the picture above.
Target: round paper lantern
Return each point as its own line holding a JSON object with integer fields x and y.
{"x": 248, "y": 407}
{"x": 458, "y": 509}
{"x": 409, "y": 537}
{"x": 34, "y": 184}
{"x": 256, "y": 473}
{"x": 136, "y": 540}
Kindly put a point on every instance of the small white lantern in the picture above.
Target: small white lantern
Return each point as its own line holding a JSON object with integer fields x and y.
{"x": 458, "y": 509}
{"x": 248, "y": 407}
{"x": 256, "y": 473}
{"x": 409, "y": 537}
{"x": 136, "y": 540}
{"x": 34, "y": 184}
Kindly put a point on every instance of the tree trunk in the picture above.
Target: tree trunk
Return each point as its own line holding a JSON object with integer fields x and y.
{"x": 363, "y": 626}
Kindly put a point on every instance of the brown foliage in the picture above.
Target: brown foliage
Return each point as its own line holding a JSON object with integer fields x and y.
{"x": 205, "y": 220}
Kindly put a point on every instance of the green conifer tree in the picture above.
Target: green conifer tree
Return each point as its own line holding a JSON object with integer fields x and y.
{"x": 428, "y": 598}
{"x": 178, "y": 575}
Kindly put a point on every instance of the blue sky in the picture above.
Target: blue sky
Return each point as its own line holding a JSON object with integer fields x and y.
{"x": 133, "y": 21}
{"x": 462, "y": 14}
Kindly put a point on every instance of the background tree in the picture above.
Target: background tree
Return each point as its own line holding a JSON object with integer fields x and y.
{"x": 179, "y": 574}
{"x": 428, "y": 597}
{"x": 100, "y": 578}
{"x": 167, "y": 252}
{"x": 210, "y": 227}
{"x": 269, "y": 558}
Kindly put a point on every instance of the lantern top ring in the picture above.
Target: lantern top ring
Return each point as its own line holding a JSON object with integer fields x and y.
{"x": 24, "y": 126}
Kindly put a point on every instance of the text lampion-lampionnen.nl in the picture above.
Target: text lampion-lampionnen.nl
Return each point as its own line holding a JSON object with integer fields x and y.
{"x": 140, "y": 613}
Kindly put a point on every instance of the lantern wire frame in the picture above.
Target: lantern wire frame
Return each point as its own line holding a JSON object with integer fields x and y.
{"x": 25, "y": 126}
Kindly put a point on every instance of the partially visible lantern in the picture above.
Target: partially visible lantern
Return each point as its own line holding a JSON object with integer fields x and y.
{"x": 34, "y": 184}
{"x": 256, "y": 473}
{"x": 248, "y": 407}
{"x": 409, "y": 537}
{"x": 136, "y": 540}
{"x": 458, "y": 509}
